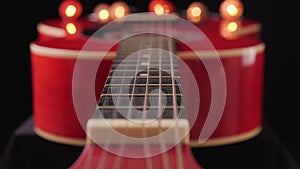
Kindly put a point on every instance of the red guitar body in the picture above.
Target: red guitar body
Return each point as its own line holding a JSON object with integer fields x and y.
{"x": 93, "y": 157}
{"x": 54, "y": 55}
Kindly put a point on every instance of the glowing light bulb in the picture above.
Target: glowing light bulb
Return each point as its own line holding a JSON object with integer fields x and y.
{"x": 73, "y": 29}
{"x": 232, "y": 26}
{"x": 118, "y": 10}
{"x": 103, "y": 15}
{"x": 101, "y": 11}
{"x": 70, "y": 9}
{"x": 231, "y": 9}
{"x": 229, "y": 29}
{"x": 197, "y": 12}
{"x": 160, "y": 7}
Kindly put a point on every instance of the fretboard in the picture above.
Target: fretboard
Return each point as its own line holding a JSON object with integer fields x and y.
{"x": 144, "y": 81}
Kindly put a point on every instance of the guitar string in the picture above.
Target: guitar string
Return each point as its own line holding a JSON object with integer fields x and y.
{"x": 101, "y": 163}
{"x": 164, "y": 156}
{"x": 146, "y": 146}
{"x": 174, "y": 103}
{"x": 178, "y": 148}
{"x": 118, "y": 159}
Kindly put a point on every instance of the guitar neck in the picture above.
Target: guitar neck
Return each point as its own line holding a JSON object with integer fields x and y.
{"x": 140, "y": 120}
{"x": 144, "y": 70}
{"x": 142, "y": 94}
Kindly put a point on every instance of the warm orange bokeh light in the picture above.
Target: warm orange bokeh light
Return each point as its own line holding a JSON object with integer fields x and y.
{"x": 229, "y": 29}
{"x": 101, "y": 11}
{"x": 70, "y": 9}
{"x": 197, "y": 12}
{"x": 231, "y": 9}
{"x": 118, "y": 10}
{"x": 160, "y": 7}
{"x": 73, "y": 29}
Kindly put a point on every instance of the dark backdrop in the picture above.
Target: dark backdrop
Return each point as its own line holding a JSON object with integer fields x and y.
{"x": 279, "y": 31}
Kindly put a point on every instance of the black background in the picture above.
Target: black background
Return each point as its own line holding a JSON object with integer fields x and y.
{"x": 279, "y": 32}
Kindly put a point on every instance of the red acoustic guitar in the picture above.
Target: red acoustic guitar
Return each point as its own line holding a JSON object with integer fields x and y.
{"x": 140, "y": 120}
{"x": 140, "y": 91}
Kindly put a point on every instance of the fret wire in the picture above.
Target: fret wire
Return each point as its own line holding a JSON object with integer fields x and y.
{"x": 134, "y": 57}
{"x": 156, "y": 64}
{"x": 143, "y": 77}
{"x": 142, "y": 67}
{"x": 133, "y": 60}
{"x": 130, "y": 70}
{"x": 143, "y": 61}
{"x": 137, "y": 107}
{"x": 139, "y": 94}
{"x": 131, "y": 74}
{"x": 144, "y": 80}
{"x": 128, "y": 85}
{"x": 106, "y": 113}
{"x": 136, "y": 49}
{"x": 139, "y": 89}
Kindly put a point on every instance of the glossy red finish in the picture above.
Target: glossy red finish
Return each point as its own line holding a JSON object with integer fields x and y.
{"x": 243, "y": 106}
{"x": 94, "y": 156}
{"x": 53, "y": 105}
{"x": 52, "y": 100}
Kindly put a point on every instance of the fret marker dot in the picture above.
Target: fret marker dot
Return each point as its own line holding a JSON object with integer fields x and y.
{"x": 143, "y": 74}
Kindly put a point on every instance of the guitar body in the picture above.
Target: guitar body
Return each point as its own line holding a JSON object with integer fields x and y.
{"x": 92, "y": 154}
{"x": 52, "y": 76}
{"x": 54, "y": 57}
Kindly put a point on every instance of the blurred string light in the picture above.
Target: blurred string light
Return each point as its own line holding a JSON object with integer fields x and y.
{"x": 231, "y": 9}
{"x": 231, "y": 12}
{"x": 118, "y": 10}
{"x": 160, "y": 7}
{"x": 197, "y": 12}
{"x": 229, "y": 29}
{"x": 73, "y": 29}
{"x": 70, "y": 9}
{"x": 101, "y": 11}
